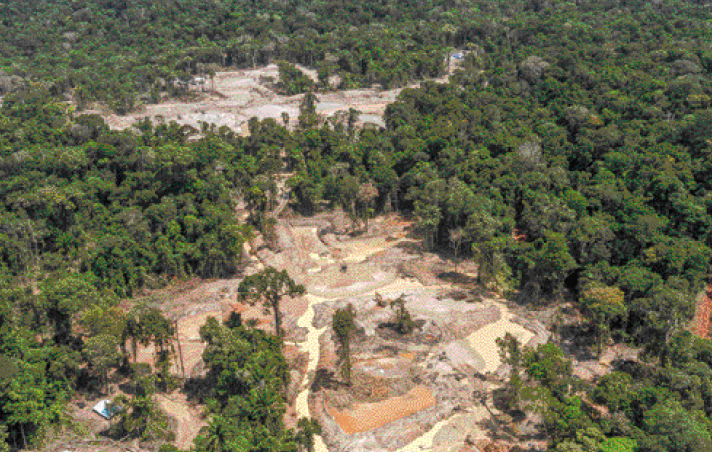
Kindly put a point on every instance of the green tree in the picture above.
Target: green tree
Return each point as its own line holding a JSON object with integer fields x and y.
{"x": 602, "y": 304}
{"x": 552, "y": 263}
{"x": 547, "y": 365}
{"x": 490, "y": 257}
{"x": 157, "y": 329}
{"x": 615, "y": 391}
{"x": 64, "y": 299}
{"x": 102, "y": 353}
{"x": 293, "y": 81}
{"x": 367, "y": 194}
{"x": 343, "y": 325}
{"x": 403, "y": 321}
{"x": 588, "y": 440}
{"x": 269, "y": 287}
{"x": 428, "y": 218}
{"x": 671, "y": 428}
{"x": 666, "y": 310}
{"x": 139, "y": 416}
{"x": 306, "y": 429}
{"x": 104, "y": 320}
{"x": 308, "y": 116}
{"x": 619, "y": 444}
{"x": 31, "y": 402}
{"x": 511, "y": 354}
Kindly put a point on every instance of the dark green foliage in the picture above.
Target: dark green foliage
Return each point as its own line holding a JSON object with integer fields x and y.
{"x": 403, "y": 321}
{"x": 510, "y": 352}
{"x": 343, "y": 325}
{"x": 293, "y": 81}
{"x": 614, "y": 391}
{"x": 569, "y": 152}
{"x": 102, "y": 353}
{"x": 139, "y": 415}
{"x": 128, "y": 212}
{"x": 247, "y": 374}
{"x": 307, "y": 428}
{"x": 130, "y": 53}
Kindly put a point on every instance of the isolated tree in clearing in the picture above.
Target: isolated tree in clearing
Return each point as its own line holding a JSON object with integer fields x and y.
{"x": 343, "y": 325}
{"x": 269, "y": 287}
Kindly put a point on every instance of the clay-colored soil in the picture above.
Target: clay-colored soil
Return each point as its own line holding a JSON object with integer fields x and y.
{"x": 368, "y": 416}
{"x": 191, "y": 346}
{"x": 176, "y": 406}
{"x": 484, "y": 340}
{"x": 243, "y": 94}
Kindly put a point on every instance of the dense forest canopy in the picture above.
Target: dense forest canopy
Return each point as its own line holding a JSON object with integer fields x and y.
{"x": 569, "y": 156}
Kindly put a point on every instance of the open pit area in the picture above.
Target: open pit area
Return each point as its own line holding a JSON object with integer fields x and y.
{"x": 232, "y": 97}
{"x": 410, "y": 392}
{"x": 405, "y": 388}
{"x": 239, "y": 95}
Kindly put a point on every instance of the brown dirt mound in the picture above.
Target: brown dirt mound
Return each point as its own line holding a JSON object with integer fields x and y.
{"x": 368, "y": 416}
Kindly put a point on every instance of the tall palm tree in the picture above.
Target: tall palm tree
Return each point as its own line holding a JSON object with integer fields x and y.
{"x": 215, "y": 435}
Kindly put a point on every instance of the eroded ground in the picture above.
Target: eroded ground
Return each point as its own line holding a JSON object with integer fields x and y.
{"x": 233, "y": 97}
{"x": 242, "y": 94}
{"x": 410, "y": 392}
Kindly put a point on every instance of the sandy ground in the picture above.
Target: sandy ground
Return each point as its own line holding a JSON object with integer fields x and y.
{"x": 327, "y": 284}
{"x": 359, "y": 250}
{"x": 247, "y": 94}
{"x": 331, "y": 284}
{"x": 190, "y": 344}
{"x": 189, "y": 425}
{"x": 368, "y": 416}
{"x": 450, "y": 432}
{"x": 311, "y": 347}
{"x": 242, "y": 94}
{"x": 484, "y": 339}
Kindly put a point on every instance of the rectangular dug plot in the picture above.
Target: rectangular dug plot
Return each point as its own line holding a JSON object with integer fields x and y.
{"x": 368, "y": 416}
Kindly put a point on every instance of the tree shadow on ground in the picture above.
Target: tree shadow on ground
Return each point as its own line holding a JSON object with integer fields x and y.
{"x": 454, "y": 277}
{"x": 576, "y": 341}
{"x": 638, "y": 370}
{"x": 197, "y": 389}
{"x": 410, "y": 247}
{"x": 496, "y": 430}
{"x": 325, "y": 379}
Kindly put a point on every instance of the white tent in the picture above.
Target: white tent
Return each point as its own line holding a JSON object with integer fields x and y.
{"x": 105, "y": 409}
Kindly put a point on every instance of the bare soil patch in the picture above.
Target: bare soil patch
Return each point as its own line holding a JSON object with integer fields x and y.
{"x": 242, "y": 94}
{"x": 368, "y": 416}
{"x": 188, "y": 423}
